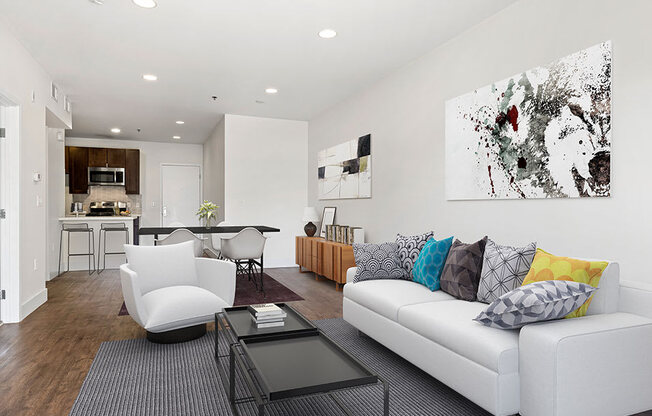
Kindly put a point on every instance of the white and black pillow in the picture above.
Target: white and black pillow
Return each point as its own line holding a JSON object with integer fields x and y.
{"x": 377, "y": 261}
{"x": 409, "y": 247}
{"x": 535, "y": 302}
{"x": 503, "y": 269}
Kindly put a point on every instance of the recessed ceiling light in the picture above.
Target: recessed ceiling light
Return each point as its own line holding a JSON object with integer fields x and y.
{"x": 147, "y": 4}
{"x": 176, "y": 137}
{"x": 115, "y": 130}
{"x": 327, "y": 34}
{"x": 150, "y": 77}
{"x": 181, "y": 122}
{"x": 271, "y": 90}
{"x": 98, "y": 2}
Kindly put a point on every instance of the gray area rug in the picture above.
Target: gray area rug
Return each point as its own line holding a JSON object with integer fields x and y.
{"x": 136, "y": 377}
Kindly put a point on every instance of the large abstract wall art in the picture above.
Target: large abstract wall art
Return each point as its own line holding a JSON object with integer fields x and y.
{"x": 544, "y": 133}
{"x": 344, "y": 171}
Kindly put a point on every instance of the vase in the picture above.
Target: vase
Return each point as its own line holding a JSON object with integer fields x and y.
{"x": 207, "y": 222}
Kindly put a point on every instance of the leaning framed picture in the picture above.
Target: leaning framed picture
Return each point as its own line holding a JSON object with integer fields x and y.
{"x": 327, "y": 218}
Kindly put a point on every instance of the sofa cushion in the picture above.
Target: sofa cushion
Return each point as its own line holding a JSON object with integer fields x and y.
{"x": 377, "y": 261}
{"x": 461, "y": 274}
{"x": 450, "y": 324}
{"x": 177, "y": 307}
{"x": 546, "y": 266}
{"x": 387, "y": 297}
{"x": 409, "y": 247}
{"x": 503, "y": 269}
{"x": 163, "y": 266}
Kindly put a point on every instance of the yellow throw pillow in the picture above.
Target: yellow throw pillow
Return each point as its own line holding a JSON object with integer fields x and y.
{"x": 546, "y": 266}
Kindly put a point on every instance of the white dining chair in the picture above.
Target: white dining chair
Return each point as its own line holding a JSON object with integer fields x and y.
{"x": 182, "y": 235}
{"x": 246, "y": 249}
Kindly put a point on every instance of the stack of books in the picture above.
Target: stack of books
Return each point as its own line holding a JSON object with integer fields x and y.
{"x": 267, "y": 315}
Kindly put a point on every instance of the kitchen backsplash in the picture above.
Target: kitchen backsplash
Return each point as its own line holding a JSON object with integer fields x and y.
{"x": 105, "y": 193}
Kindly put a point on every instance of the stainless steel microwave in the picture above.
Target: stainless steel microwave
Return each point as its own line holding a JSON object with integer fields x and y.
{"x": 106, "y": 176}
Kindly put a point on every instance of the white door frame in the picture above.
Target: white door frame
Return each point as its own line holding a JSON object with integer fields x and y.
{"x": 160, "y": 191}
{"x": 9, "y": 192}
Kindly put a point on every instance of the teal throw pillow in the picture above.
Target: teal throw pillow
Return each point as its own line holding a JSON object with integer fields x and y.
{"x": 430, "y": 263}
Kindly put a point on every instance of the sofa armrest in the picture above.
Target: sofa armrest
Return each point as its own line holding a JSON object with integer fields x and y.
{"x": 350, "y": 274}
{"x": 132, "y": 295}
{"x": 218, "y": 277}
{"x": 594, "y": 365}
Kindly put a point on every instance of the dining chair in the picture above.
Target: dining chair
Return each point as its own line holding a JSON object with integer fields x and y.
{"x": 245, "y": 249}
{"x": 182, "y": 235}
{"x": 214, "y": 241}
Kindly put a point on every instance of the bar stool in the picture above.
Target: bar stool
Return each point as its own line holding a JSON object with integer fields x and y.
{"x": 107, "y": 227}
{"x": 72, "y": 228}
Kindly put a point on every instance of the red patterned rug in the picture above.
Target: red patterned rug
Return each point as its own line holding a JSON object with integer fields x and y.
{"x": 246, "y": 294}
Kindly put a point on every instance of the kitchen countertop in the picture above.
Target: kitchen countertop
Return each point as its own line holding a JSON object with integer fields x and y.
{"x": 83, "y": 218}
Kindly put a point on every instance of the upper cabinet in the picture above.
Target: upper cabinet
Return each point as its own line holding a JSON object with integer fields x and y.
{"x": 79, "y": 159}
{"x": 96, "y": 157}
{"x": 78, "y": 169}
{"x": 116, "y": 158}
{"x": 109, "y": 158}
{"x": 132, "y": 171}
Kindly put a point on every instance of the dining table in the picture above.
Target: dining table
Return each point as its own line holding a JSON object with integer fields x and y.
{"x": 218, "y": 229}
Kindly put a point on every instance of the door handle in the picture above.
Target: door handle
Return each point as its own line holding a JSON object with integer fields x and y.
{"x": 165, "y": 211}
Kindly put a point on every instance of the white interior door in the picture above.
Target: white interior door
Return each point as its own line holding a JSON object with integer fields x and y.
{"x": 180, "y": 194}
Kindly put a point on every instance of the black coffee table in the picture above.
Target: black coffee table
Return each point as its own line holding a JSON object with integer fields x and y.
{"x": 287, "y": 362}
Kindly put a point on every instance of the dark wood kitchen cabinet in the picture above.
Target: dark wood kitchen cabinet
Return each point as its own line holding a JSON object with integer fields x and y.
{"x": 132, "y": 171}
{"x": 111, "y": 158}
{"x": 66, "y": 154}
{"x": 78, "y": 169}
{"x": 116, "y": 158}
{"x": 96, "y": 157}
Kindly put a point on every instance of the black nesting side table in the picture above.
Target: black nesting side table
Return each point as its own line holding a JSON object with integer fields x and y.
{"x": 284, "y": 363}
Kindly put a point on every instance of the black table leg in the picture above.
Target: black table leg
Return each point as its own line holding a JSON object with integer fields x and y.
{"x": 385, "y": 396}
{"x": 232, "y": 379}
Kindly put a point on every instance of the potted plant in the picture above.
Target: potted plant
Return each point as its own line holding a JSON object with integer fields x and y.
{"x": 207, "y": 211}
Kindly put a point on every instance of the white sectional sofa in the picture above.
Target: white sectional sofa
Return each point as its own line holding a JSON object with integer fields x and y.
{"x": 600, "y": 364}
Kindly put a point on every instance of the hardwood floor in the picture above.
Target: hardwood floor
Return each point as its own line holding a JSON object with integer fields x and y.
{"x": 45, "y": 358}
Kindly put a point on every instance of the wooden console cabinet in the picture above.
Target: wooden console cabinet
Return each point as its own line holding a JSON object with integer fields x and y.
{"x": 324, "y": 258}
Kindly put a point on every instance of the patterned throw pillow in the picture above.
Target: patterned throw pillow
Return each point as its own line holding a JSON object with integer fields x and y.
{"x": 503, "y": 269}
{"x": 540, "y": 301}
{"x": 409, "y": 247}
{"x": 430, "y": 263}
{"x": 546, "y": 266}
{"x": 461, "y": 274}
{"x": 377, "y": 261}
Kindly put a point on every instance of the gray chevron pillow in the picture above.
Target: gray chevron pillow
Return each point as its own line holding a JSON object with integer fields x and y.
{"x": 377, "y": 261}
{"x": 535, "y": 302}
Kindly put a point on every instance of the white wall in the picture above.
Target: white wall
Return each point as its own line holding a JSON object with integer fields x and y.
{"x": 56, "y": 188}
{"x": 265, "y": 179}
{"x": 405, "y": 115}
{"x": 214, "y": 168}
{"x": 152, "y": 155}
{"x": 20, "y": 76}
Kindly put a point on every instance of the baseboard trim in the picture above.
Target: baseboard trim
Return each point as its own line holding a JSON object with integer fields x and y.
{"x": 32, "y": 304}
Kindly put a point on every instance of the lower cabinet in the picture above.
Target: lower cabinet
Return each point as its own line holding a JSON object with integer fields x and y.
{"x": 324, "y": 258}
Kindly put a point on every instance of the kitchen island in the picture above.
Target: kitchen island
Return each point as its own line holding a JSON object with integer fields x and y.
{"x": 79, "y": 241}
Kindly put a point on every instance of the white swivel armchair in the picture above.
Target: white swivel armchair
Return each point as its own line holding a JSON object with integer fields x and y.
{"x": 173, "y": 294}
{"x": 244, "y": 249}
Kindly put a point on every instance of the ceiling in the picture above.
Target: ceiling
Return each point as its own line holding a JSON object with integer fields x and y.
{"x": 232, "y": 49}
